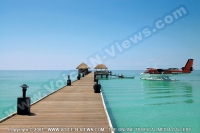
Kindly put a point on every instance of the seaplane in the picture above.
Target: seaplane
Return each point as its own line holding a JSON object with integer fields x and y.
{"x": 164, "y": 74}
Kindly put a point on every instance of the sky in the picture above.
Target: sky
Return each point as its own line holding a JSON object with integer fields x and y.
{"x": 61, "y": 34}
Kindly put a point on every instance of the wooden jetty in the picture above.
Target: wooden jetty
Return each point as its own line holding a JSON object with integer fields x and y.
{"x": 122, "y": 76}
{"x": 74, "y": 108}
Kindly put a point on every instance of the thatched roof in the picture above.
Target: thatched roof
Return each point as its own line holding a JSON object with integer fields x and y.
{"x": 83, "y": 66}
{"x": 100, "y": 66}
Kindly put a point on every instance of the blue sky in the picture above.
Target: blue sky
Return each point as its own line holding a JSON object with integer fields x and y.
{"x": 61, "y": 34}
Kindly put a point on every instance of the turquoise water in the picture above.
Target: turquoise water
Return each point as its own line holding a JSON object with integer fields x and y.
{"x": 41, "y": 83}
{"x": 132, "y": 104}
{"x": 153, "y": 106}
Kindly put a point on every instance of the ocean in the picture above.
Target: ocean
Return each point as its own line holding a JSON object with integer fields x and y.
{"x": 134, "y": 105}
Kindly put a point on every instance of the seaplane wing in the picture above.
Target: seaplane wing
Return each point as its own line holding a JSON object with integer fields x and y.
{"x": 161, "y": 73}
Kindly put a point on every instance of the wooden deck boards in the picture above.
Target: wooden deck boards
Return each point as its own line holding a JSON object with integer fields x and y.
{"x": 76, "y": 107}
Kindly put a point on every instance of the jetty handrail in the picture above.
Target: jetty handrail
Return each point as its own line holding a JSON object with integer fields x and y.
{"x": 101, "y": 72}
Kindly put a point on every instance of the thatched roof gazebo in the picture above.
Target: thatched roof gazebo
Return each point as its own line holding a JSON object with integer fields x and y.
{"x": 101, "y": 66}
{"x": 82, "y": 68}
{"x": 103, "y": 70}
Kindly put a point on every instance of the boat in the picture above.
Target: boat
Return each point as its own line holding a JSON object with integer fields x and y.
{"x": 122, "y": 76}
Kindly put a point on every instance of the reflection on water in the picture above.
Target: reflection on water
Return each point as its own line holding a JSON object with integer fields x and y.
{"x": 164, "y": 92}
{"x": 140, "y": 103}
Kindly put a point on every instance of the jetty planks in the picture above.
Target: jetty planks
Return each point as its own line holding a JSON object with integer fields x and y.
{"x": 74, "y": 108}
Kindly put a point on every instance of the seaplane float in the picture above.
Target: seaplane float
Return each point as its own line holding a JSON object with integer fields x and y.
{"x": 164, "y": 74}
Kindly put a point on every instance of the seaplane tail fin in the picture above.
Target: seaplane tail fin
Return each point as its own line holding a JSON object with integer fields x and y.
{"x": 188, "y": 66}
